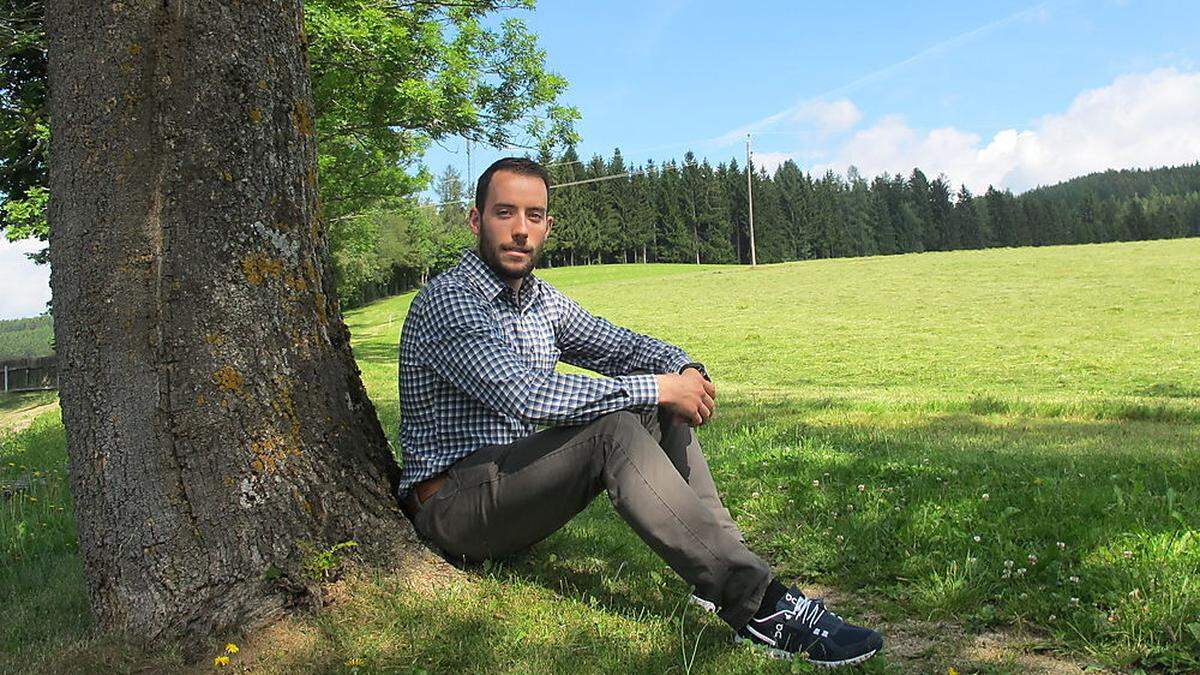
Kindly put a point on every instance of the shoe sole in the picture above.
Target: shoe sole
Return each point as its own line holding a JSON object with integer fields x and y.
{"x": 702, "y": 603}
{"x": 782, "y": 655}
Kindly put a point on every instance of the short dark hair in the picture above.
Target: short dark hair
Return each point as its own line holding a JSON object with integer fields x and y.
{"x": 519, "y": 165}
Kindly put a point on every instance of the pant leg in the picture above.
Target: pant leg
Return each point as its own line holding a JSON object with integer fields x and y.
{"x": 503, "y": 498}
{"x": 679, "y": 442}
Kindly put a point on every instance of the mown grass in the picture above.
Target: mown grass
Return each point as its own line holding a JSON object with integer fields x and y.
{"x": 1000, "y": 439}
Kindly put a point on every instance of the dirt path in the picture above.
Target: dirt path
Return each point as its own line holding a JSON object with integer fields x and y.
{"x": 918, "y": 646}
{"x": 17, "y": 420}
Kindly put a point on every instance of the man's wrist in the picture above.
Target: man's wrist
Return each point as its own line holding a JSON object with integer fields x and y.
{"x": 698, "y": 366}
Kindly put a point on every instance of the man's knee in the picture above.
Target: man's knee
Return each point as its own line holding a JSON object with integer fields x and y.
{"x": 627, "y": 429}
{"x": 620, "y": 422}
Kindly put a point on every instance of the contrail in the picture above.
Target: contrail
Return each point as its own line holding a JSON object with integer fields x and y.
{"x": 737, "y": 134}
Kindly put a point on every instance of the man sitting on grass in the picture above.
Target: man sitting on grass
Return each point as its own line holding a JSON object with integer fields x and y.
{"x": 477, "y": 358}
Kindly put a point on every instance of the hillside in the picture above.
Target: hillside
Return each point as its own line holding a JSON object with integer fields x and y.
{"x": 26, "y": 338}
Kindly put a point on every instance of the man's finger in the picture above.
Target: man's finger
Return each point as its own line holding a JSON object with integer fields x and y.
{"x": 710, "y": 389}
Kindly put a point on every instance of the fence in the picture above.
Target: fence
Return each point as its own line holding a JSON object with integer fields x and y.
{"x": 31, "y": 374}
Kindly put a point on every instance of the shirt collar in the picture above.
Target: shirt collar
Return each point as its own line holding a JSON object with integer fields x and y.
{"x": 490, "y": 283}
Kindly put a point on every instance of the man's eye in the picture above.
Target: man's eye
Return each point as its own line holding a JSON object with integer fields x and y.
{"x": 503, "y": 213}
{"x": 535, "y": 216}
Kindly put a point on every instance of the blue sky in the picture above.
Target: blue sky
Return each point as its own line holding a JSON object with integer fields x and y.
{"x": 657, "y": 77}
{"x": 1013, "y": 94}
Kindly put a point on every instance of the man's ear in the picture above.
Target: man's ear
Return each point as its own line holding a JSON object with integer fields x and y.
{"x": 549, "y": 224}
{"x": 474, "y": 221}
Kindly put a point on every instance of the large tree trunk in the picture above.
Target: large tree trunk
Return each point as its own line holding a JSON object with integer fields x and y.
{"x": 216, "y": 422}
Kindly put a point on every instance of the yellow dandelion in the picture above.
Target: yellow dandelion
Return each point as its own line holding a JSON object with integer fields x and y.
{"x": 221, "y": 661}
{"x": 231, "y": 648}
{"x": 951, "y": 671}
{"x": 355, "y": 662}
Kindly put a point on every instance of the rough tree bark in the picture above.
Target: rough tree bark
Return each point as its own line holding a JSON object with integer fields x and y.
{"x": 216, "y": 421}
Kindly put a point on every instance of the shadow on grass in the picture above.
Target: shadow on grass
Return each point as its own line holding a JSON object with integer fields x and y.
{"x": 593, "y": 596}
{"x": 899, "y": 501}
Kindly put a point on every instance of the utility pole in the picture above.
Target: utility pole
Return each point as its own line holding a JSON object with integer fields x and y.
{"x": 750, "y": 201}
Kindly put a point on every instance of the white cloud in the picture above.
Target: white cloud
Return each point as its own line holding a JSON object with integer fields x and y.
{"x": 770, "y": 160}
{"x": 1137, "y": 121}
{"x": 24, "y": 286}
{"x": 827, "y": 117}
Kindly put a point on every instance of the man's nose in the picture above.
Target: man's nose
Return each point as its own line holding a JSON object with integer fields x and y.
{"x": 520, "y": 227}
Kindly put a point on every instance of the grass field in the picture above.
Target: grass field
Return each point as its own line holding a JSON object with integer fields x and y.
{"x": 990, "y": 454}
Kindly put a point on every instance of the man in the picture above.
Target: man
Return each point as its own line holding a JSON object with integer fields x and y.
{"x": 477, "y": 358}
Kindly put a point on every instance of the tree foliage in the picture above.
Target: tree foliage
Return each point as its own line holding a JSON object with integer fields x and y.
{"x": 389, "y": 77}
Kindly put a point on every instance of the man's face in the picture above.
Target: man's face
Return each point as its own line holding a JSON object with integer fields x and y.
{"x": 513, "y": 225}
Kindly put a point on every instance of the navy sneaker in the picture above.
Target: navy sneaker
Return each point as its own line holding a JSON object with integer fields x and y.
{"x": 804, "y": 626}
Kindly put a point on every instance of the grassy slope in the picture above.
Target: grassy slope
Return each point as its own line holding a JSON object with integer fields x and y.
{"x": 876, "y": 416}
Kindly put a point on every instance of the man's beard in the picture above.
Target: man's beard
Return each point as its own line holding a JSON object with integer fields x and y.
{"x": 490, "y": 252}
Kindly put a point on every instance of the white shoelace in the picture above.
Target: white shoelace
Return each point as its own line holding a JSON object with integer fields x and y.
{"x": 807, "y": 610}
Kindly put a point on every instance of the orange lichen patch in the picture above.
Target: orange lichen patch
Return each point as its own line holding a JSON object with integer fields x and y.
{"x": 268, "y": 453}
{"x": 135, "y": 49}
{"x": 259, "y": 266}
{"x": 226, "y": 176}
{"x": 255, "y": 115}
{"x": 285, "y": 407}
{"x": 262, "y": 85}
{"x": 296, "y": 283}
{"x": 229, "y": 379}
{"x": 215, "y": 339}
{"x": 302, "y": 118}
{"x": 322, "y": 315}
{"x": 200, "y": 400}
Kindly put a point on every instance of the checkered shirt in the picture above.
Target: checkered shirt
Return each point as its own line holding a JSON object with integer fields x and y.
{"x": 477, "y": 366}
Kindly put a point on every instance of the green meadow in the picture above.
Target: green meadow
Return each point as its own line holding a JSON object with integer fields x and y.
{"x": 990, "y": 455}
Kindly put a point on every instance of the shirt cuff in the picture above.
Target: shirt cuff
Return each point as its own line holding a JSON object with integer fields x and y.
{"x": 642, "y": 389}
{"x": 678, "y": 362}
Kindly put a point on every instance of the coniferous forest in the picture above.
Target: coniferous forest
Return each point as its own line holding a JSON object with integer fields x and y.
{"x": 690, "y": 211}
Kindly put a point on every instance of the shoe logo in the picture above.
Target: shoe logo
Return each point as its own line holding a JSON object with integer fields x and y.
{"x": 778, "y": 631}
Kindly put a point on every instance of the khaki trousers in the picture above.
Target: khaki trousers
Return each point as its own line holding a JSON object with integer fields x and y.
{"x": 503, "y": 498}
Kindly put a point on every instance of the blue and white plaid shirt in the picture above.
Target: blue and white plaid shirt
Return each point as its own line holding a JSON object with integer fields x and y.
{"x": 477, "y": 366}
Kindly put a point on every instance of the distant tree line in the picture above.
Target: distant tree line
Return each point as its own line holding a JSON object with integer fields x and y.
{"x": 26, "y": 338}
{"x": 692, "y": 212}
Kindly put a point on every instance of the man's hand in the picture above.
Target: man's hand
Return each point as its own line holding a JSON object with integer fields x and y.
{"x": 689, "y": 396}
